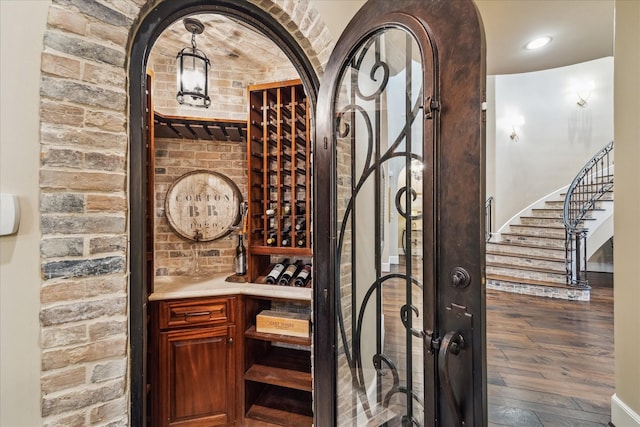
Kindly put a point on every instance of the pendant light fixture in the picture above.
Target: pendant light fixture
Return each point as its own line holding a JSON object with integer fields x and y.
{"x": 193, "y": 70}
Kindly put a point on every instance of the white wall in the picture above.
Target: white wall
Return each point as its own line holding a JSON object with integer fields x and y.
{"x": 602, "y": 259}
{"x": 557, "y": 138}
{"x": 490, "y": 150}
{"x": 625, "y": 409}
{"x": 19, "y": 254}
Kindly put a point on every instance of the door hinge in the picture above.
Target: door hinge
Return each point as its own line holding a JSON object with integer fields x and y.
{"x": 326, "y": 142}
{"x": 432, "y": 105}
{"x": 434, "y": 342}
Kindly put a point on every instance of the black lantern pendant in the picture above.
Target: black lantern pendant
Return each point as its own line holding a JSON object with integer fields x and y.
{"x": 193, "y": 70}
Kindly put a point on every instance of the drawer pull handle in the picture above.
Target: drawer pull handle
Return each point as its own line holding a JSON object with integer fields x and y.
{"x": 197, "y": 314}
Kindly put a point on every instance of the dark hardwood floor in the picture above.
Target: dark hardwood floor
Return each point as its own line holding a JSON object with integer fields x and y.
{"x": 550, "y": 362}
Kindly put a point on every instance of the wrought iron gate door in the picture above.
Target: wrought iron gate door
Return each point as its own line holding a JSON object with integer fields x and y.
{"x": 378, "y": 116}
{"x": 398, "y": 197}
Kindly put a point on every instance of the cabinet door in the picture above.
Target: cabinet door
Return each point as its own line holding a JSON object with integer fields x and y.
{"x": 197, "y": 376}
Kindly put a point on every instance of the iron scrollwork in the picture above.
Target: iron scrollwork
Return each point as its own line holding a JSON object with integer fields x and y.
{"x": 348, "y": 116}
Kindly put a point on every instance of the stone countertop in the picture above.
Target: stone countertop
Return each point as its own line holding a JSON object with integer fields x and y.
{"x": 177, "y": 287}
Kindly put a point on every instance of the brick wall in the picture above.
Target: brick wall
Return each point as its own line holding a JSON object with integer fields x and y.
{"x": 84, "y": 139}
{"x": 174, "y": 255}
{"x": 228, "y": 89}
{"x": 229, "y": 79}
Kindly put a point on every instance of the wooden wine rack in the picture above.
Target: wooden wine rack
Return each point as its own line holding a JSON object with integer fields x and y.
{"x": 279, "y": 168}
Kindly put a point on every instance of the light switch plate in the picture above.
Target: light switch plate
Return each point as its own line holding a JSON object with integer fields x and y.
{"x": 9, "y": 214}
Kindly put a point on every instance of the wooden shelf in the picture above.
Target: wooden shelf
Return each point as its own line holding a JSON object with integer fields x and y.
{"x": 277, "y": 406}
{"x": 278, "y": 376}
{"x": 283, "y": 367}
{"x": 284, "y": 251}
{"x": 277, "y": 379}
{"x": 285, "y": 339}
{"x": 199, "y": 128}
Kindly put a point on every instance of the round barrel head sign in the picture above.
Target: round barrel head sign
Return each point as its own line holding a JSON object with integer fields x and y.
{"x": 203, "y": 206}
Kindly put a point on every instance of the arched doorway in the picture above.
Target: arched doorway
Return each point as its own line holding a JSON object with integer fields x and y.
{"x": 150, "y": 28}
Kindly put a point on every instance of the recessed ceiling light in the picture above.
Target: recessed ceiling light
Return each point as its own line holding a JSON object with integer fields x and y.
{"x": 538, "y": 43}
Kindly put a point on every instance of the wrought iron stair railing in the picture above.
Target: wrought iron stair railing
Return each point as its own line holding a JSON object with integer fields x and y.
{"x": 488, "y": 218}
{"x": 593, "y": 181}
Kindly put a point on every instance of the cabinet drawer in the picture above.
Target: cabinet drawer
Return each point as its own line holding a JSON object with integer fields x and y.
{"x": 195, "y": 312}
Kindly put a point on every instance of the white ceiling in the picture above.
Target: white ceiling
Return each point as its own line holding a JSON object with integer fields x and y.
{"x": 582, "y": 30}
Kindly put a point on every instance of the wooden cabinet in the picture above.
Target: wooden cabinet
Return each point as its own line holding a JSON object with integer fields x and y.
{"x": 277, "y": 372}
{"x": 279, "y": 168}
{"x": 196, "y": 362}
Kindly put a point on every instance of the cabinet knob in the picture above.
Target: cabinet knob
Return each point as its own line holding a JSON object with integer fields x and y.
{"x": 230, "y": 340}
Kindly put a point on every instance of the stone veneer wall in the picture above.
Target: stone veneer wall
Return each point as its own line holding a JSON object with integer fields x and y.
{"x": 84, "y": 200}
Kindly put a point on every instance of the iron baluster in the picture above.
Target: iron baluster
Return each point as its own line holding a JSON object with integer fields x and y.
{"x": 593, "y": 181}
{"x": 488, "y": 207}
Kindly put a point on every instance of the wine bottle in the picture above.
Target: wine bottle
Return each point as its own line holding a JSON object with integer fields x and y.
{"x": 271, "y": 239}
{"x": 289, "y": 273}
{"x": 270, "y": 212}
{"x": 301, "y": 224}
{"x": 301, "y": 240}
{"x": 286, "y": 239}
{"x": 286, "y": 209}
{"x": 300, "y": 208}
{"x": 303, "y": 276}
{"x": 276, "y": 271}
{"x": 301, "y": 137}
{"x": 241, "y": 257}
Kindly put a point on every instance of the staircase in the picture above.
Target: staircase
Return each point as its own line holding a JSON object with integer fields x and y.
{"x": 544, "y": 249}
{"x": 529, "y": 257}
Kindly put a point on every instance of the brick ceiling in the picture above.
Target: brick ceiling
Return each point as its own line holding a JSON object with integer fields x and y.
{"x": 223, "y": 39}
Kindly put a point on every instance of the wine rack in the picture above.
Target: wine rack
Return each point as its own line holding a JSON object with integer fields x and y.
{"x": 279, "y": 174}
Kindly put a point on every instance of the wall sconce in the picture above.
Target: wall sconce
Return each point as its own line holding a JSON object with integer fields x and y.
{"x": 516, "y": 122}
{"x": 193, "y": 70}
{"x": 510, "y": 124}
{"x": 583, "y": 90}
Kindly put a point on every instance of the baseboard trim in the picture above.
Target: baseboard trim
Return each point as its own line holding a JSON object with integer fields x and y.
{"x": 394, "y": 259}
{"x": 622, "y": 415}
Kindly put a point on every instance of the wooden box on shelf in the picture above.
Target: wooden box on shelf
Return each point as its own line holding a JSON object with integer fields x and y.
{"x": 279, "y": 165}
{"x": 283, "y": 322}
